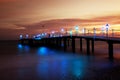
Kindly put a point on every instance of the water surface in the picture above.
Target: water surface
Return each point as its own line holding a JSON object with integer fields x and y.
{"x": 18, "y": 62}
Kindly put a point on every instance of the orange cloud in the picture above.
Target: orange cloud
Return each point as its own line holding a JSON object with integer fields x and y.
{"x": 57, "y": 24}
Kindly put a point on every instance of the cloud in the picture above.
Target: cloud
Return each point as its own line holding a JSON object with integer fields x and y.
{"x": 70, "y": 22}
{"x": 14, "y": 30}
{"x": 10, "y": 26}
{"x": 57, "y": 24}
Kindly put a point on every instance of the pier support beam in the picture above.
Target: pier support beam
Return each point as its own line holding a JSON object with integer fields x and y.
{"x": 110, "y": 50}
{"x": 65, "y": 43}
{"x": 30, "y": 42}
{"x": 81, "y": 44}
{"x": 88, "y": 46}
{"x": 59, "y": 42}
{"x": 68, "y": 42}
{"x": 73, "y": 45}
{"x": 92, "y": 45}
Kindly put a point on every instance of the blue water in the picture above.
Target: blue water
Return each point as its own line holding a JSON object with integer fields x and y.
{"x": 18, "y": 62}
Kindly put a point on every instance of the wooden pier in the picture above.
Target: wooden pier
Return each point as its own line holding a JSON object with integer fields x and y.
{"x": 67, "y": 40}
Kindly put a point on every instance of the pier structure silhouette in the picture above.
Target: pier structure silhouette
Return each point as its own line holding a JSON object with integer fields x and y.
{"x": 63, "y": 40}
{"x": 57, "y": 42}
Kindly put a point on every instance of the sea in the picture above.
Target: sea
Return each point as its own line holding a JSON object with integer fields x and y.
{"x": 22, "y": 62}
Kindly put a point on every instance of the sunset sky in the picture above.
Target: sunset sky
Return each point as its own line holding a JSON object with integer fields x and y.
{"x": 28, "y": 16}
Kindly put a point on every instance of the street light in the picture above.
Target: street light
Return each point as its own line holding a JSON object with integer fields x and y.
{"x": 27, "y": 36}
{"x": 70, "y": 32}
{"x": 107, "y": 28}
{"x": 94, "y": 31}
{"x": 53, "y": 34}
{"x": 76, "y": 29}
{"x": 62, "y": 31}
{"x": 84, "y": 31}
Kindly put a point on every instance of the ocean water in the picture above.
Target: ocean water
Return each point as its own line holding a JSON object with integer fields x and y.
{"x": 18, "y": 62}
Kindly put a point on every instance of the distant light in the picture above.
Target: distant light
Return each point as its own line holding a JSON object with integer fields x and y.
{"x": 38, "y": 38}
{"x": 45, "y": 33}
{"x": 39, "y": 35}
{"x": 21, "y": 36}
{"x": 83, "y": 30}
{"x": 27, "y": 35}
{"x": 42, "y": 34}
{"x": 71, "y": 32}
{"x": 33, "y": 36}
{"x": 107, "y": 26}
{"x": 62, "y": 30}
{"x": 76, "y": 28}
{"x": 53, "y": 32}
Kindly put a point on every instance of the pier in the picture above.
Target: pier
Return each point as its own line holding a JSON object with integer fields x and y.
{"x": 65, "y": 41}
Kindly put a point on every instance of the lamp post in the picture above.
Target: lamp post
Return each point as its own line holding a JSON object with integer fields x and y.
{"x": 71, "y": 33}
{"x": 52, "y": 35}
{"x": 107, "y": 28}
{"x": 84, "y": 31}
{"x": 94, "y": 31}
{"x": 76, "y": 29}
{"x": 62, "y": 31}
{"x": 27, "y": 36}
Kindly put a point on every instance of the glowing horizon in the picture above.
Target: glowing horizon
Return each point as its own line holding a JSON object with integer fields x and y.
{"x": 28, "y": 17}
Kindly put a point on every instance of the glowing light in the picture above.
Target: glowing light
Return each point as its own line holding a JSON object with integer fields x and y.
{"x": 38, "y": 38}
{"x": 20, "y": 46}
{"x": 27, "y": 35}
{"x": 107, "y": 26}
{"x": 38, "y": 35}
{"x": 21, "y": 36}
{"x": 42, "y": 34}
{"x": 61, "y": 35}
{"x": 33, "y": 36}
{"x": 71, "y": 32}
{"x": 45, "y": 33}
{"x": 83, "y": 30}
{"x": 62, "y": 30}
{"x": 43, "y": 51}
{"x": 53, "y": 32}
{"x": 76, "y": 28}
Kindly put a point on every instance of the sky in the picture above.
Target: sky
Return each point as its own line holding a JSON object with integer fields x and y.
{"x": 28, "y": 16}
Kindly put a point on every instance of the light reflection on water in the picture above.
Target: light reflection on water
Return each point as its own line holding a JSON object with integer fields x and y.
{"x": 61, "y": 68}
{"x": 20, "y": 46}
{"x": 43, "y": 51}
{"x": 49, "y": 64}
{"x": 56, "y": 65}
{"x": 23, "y": 49}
